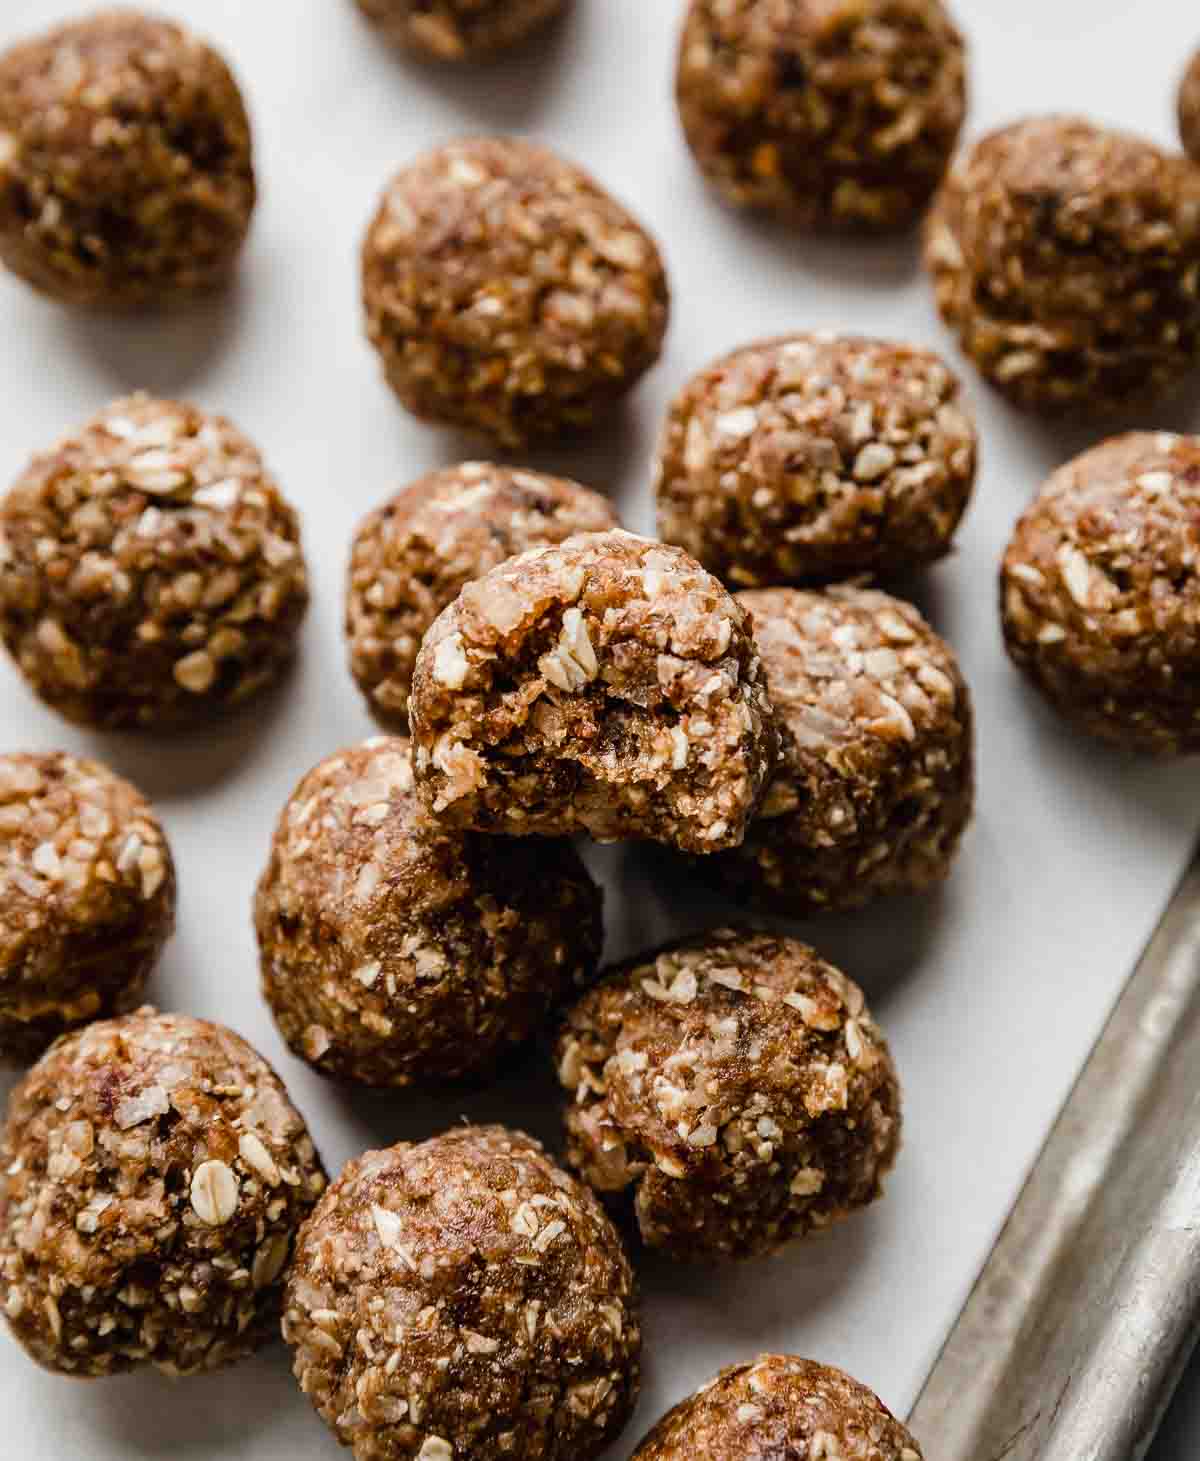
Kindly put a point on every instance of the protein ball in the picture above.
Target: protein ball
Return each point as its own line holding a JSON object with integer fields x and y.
{"x": 1066, "y": 258}
{"x": 506, "y": 292}
{"x": 151, "y": 574}
{"x": 780, "y": 1406}
{"x": 875, "y": 783}
{"x": 608, "y": 685}
{"x": 814, "y": 458}
{"x": 464, "y": 1298}
{"x": 415, "y": 554}
{"x": 1189, "y": 109}
{"x": 458, "y": 30}
{"x": 154, "y": 1176}
{"x": 733, "y": 1091}
{"x": 1099, "y": 594}
{"x": 838, "y": 114}
{"x": 394, "y": 950}
{"x": 125, "y": 163}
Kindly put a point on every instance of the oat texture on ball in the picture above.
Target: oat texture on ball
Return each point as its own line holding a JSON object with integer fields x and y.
{"x": 415, "y": 554}
{"x": 1100, "y": 595}
{"x": 1189, "y": 109}
{"x": 813, "y": 458}
{"x": 151, "y": 572}
{"x": 87, "y": 897}
{"x": 732, "y": 1091}
{"x": 464, "y": 1298}
{"x": 1066, "y": 258}
{"x": 459, "y": 30}
{"x": 780, "y": 1405}
{"x": 838, "y": 114}
{"x": 609, "y": 685}
{"x": 507, "y": 293}
{"x": 875, "y": 781}
{"x": 126, "y": 177}
{"x": 155, "y": 1176}
{"x": 396, "y": 951}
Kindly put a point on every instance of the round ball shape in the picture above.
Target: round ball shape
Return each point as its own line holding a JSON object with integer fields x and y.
{"x": 507, "y": 293}
{"x": 458, "y": 30}
{"x": 414, "y": 555}
{"x": 733, "y": 1090}
{"x": 814, "y": 458}
{"x": 1066, "y": 258}
{"x": 151, "y": 573}
{"x": 464, "y": 1297}
{"x": 1189, "y": 109}
{"x": 838, "y": 114}
{"x": 87, "y": 897}
{"x": 126, "y": 177}
{"x": 394, "y": 950}
{"x": 608, "y": 685}
{"x": 1100, "y": 597}
{"x": 155, "y": 1176}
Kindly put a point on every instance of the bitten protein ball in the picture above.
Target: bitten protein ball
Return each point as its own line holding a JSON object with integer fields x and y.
{"x": 731, "y": 1089}
{"x": 415, "y": 554}
{"x": 780, "y": 1406}
{"x": 464, "y": 1298}
{"x": 151, "y": 573}
{"x": 155, "y": 1174}
{"x": 1189, "y": 110}
{"x": 609, "y": 685}
{"x": 506, "y": 292}
{"x": 87, "y": 897}
{"x": 1100, "y": 597}
{"x": 875, "y": 781}
{"x": 395, "y": 950}
{"x": 125, "y": 163}
{"x": 1067, "y": 260}
{"x": 838, "y": 114}
{"x": 458, "y": 30}
{"x": 815, "y": 458}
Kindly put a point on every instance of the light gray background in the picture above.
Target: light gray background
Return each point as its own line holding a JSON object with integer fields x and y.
{"x": 991, "y": 993}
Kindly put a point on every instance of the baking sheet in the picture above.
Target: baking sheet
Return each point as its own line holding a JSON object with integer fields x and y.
{"x": 991, "y": 993}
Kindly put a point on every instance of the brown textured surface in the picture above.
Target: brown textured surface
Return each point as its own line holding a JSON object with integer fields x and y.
{"x": 155, "y": 1174}
{"x": 609, "y": 685}
{"x": 87, "y": 897}
{"x": 1066, "y": 257}
{"x": 464, "y": 1298}
{"x": 458, "y": 30}
{"x": 839, "y": 114}
{"x": 1100, "y": 596}
{"x": 875, "y": 781}
{"x": 777, "y": 1408}
{"x": 733, "y": 1089}
{"x": 508, "y": 293}
{"x": 151, "y": 573}
{"x": 396, "y": 951}
{"x": 415, "y": 554}
{"x": 1189, "y": 109}
{"x": 816, "y": 457}
{"x": 125, "y": 163}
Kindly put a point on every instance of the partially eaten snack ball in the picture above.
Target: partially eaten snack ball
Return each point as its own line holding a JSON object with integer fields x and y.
{"x": 508, "y": 293}
{"x": 813, "y": 458}
{"x": 156, "y": 1174}
{"x": 414, "y": 555}
{"x": 732, "y": 1091}
{"x": 1066, "y": 258}
{"x": 395, "y": 950}
{"x": 87, "y": 897}
{"x": 464, "y": 1298}
{"x": 838, "y": 114}
{"x": 151, "y": 573}
{"x": 609, "y": 685}
{"x": 1100, "y": 594}
{"x": 875, "y": 781}
{"x": 126, "y": 177}
{"x": 458, "y": 30}
{"x": 782, "y": 1406}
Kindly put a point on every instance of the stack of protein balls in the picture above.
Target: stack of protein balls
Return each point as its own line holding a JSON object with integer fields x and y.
{"x": 740, "y": 692}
